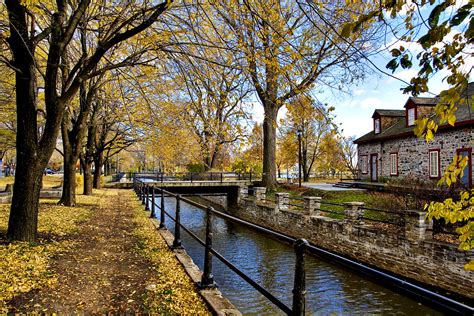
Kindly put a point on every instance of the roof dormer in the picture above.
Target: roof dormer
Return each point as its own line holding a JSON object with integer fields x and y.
{"x": 418, "y": 107}
{"x": 383, "y": 119}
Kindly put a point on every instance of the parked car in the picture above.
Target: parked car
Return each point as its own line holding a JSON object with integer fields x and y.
{"x": 49, "y": 171}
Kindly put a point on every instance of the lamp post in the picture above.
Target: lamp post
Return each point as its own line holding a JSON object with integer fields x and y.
{"x": 298, "y": 133}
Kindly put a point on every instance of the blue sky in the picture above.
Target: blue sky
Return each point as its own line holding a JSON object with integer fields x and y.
{"x": 354, "y": 108}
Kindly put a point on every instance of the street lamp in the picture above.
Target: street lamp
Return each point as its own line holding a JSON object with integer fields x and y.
{"x": 298, "y": 133}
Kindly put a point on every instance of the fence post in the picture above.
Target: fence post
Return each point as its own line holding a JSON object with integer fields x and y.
{"x": 153, "y": 214}
{"x": 260, "y": 193}
{"x": 221, "y": 177}
{"x": 162, "y": 210}
{"x": 162, "y": 176}
{"x": 191, "y": 177}
{"x": 416, "y": 226}
{"x": 312, "y": 205}
{"x": 282, "y": 200}
{"x": 143, "y": 193}
{"x": 354, "y": 212}
{"x": 299, "y": 288}
{"x": 250, "y": 176}
{"x": 177, "y": 227}
{"x": 147, "y": 198}
{"x": 207, "y": 279}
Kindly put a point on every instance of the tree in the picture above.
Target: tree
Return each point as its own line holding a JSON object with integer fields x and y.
{"x": 348, "y": 152}
{"x": 214, "y": 108}
{"x": 315, "y": 124}
{"x": 30, "y": 29}
{"x": 286, "y": 51}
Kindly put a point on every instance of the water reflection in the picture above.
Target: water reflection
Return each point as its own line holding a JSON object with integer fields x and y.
{"x": 330, "y": 289}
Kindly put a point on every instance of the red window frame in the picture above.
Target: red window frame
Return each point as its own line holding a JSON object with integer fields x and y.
{"x": 439, "y": 163}
{"x": 366, "y": 157}
{"x": 396, "y": 164}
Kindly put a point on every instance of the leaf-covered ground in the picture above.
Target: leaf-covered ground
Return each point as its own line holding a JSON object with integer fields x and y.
{"x": 103, "y": 256}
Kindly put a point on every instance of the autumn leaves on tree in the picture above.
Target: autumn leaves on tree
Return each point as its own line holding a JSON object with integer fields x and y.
{"x": 183, "y": 81}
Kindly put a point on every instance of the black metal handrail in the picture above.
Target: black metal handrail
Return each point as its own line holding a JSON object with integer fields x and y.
{"x": 301, "y": 246}
{"x": 195, "y": 176}
{"x": 207, "y": 280}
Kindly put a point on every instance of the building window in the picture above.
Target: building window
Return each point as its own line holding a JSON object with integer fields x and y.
{"x": 394, "y": 164}
{"x": 364, "y": 164}
{"x": 377, "y": 126}
{"x": 411, "y": 117}
{"x": 434, "y": 163}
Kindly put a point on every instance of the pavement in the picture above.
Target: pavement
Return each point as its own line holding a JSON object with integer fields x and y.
{"x": 328, "y": 187}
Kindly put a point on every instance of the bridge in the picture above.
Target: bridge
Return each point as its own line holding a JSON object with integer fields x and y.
{"x": 228, "y": 183}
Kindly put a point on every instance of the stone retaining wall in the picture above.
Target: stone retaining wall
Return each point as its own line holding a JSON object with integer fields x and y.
{"x": 410, "y": 253}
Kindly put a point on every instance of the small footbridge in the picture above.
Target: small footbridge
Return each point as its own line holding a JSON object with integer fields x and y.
{"x": 228, "y": 183}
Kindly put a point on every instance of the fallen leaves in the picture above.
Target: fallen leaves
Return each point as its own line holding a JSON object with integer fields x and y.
{"x": 24, "y": 266}
{"x": 170, "y": 290}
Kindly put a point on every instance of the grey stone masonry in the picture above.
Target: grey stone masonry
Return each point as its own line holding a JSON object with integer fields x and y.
{"x": 408, "y": 251}
{"x": 312, "y": 205}
{"x": 282, "y": 200}
{"x": 260, "y": 193}
{"x": 413, "y": 154}
{"x": 416, "y": 226}
{"x": 244, "y": 193}
{"x": 354, "y": 214}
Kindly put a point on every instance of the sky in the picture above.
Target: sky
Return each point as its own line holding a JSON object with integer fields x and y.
{"x": 354, "y": 108}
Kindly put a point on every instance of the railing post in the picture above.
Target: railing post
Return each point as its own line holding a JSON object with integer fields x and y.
{"x": 162, "y": 210}
{"x": 299, "y": 288}
{"x": 143, "y": 193}
{"x": 211, "y": 176}
{"x": 416, "y": 226}
{"x": 312, "y": 205}
{"x": 354, "y": 212}
{"x": 260, "y": 193}
{"x": 221, "y": 177}
{"x": 147, "y": 198}
{"x": 250, "y": 176}
{"x": 162, "y": 176}
{"x": 207, "y": 279}
{"x": 282, "y": 200}
{"x": 153, "y": 214}
{"x": 191, "y": 177}
{"x": 177, "y": 227}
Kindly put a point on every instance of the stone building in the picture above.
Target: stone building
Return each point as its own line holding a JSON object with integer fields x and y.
{"x": 392, "y": 151}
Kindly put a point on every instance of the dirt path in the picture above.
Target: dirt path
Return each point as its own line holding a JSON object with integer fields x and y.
{"x": 103, "y": 272}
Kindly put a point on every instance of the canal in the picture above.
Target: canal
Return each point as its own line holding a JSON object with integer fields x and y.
{"x": 330, "y": 289}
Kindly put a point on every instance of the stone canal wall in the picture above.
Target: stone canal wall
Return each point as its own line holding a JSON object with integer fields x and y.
{"x": 410, "y": 252}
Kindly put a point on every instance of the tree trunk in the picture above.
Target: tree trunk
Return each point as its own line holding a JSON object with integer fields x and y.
{"x": 98, "y": 163}
{"x": 23, "y": 221}
{"x": 87, "y": 167}
{"x": 269, "y": 147}
{"x": 68, "y": 197}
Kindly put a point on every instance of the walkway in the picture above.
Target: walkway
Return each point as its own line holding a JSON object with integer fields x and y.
{"x": 328, "y": 187}
{"x": 118, "y": 264}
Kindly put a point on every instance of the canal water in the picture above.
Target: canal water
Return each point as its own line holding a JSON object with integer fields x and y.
{"x": 330, "y": 289}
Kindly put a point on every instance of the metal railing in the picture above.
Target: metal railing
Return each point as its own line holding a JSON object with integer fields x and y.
{"x": 196, "y": 176}
{"x": 207, "y": 280}
{"x": 300, "y": 246}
